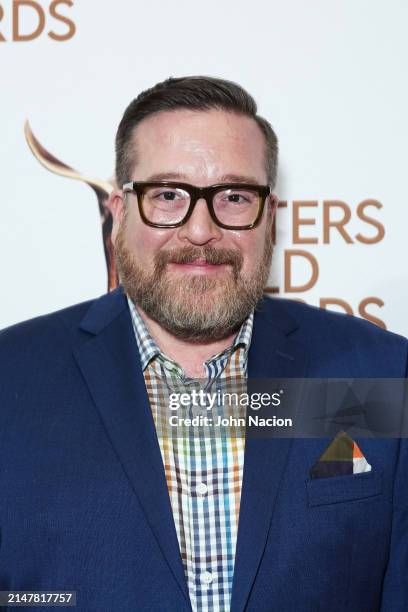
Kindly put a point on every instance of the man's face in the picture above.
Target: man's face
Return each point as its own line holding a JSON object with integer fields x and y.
{"x": 198, "y": 281}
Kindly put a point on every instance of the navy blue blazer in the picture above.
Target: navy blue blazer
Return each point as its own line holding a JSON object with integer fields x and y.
{"x": 83, "y": 497}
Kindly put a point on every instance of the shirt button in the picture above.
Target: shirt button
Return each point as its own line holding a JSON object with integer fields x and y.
{"x": 202, "y": 490}
{"x": 206, "y": 578}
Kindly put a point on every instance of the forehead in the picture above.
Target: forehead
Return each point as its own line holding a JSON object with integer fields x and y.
{"x": 201, "y": 144}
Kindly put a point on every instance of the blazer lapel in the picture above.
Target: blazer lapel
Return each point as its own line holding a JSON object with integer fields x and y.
{"x": 109, "y": 361}
{"x": 273, "y": 354}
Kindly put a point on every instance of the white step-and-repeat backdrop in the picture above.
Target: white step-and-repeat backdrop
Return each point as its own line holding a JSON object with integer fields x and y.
{"x": 331, "y": 76}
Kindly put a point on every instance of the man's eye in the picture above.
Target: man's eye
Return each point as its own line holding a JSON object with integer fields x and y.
{"x": 166, "y": 195}
{"x": 237, "y": 198}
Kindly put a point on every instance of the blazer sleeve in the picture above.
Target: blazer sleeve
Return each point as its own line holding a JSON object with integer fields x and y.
{"x": 395, "y": 584}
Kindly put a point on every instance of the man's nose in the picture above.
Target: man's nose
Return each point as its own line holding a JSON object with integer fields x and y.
{"x": 200, "y": 228}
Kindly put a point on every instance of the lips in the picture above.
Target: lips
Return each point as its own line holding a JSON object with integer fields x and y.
{"x": 203, "y": 259}
{"x": 199, "y": 262}
{"x": 198, "y": 266}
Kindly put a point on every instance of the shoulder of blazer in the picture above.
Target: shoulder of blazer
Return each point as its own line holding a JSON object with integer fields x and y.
{"x": 64, "y": 324}
{"x": 326, "y": 332}
{"x": 294, "y": 315}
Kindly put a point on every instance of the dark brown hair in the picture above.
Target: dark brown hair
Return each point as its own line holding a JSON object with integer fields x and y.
{"x": 194, "y": 93}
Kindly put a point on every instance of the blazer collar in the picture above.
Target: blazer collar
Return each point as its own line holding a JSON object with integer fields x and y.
{"x": 104, "y": 310}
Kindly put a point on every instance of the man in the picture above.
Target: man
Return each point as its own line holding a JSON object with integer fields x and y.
{"x": 95, "y": 498}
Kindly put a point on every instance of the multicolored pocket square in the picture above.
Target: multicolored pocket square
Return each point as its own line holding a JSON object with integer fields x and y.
{"x": 340, "y": 458}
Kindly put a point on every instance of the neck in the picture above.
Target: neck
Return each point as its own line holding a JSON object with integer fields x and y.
{"x": 190, "y": 356}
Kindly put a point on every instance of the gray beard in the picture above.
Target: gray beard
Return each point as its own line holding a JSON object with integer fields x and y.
{"x": 200, "y": 308}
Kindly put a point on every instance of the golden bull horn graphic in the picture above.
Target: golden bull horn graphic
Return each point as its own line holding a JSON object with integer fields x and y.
{"x": 101, "y": 188}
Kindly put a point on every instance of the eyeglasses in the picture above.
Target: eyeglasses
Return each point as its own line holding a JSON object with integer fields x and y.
{"x": 236, "y": 206}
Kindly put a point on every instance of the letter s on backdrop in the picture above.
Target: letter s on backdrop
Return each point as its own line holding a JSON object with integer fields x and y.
{"x": 66, "y": 20}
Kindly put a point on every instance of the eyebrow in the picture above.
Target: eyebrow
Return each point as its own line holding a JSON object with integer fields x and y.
{"x": 225, "y": 178}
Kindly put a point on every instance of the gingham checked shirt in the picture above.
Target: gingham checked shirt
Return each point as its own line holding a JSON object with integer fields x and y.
{"x": 203, "y": 473}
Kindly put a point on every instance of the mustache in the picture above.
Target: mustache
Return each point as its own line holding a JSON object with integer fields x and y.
{"x": 189, "y": 254}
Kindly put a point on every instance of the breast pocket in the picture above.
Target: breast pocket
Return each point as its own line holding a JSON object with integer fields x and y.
{"x": 338, "y": 489}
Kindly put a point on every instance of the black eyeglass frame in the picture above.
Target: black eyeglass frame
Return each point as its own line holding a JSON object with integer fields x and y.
{"x": 195, "y": 193}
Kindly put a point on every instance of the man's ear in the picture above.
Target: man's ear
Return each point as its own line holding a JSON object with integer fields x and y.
{"x": 273, "y": 203}
{"x": 116, "y": 206}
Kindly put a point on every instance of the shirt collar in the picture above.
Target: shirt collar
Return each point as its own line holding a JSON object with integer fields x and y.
{"x": 148, "y": 349}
